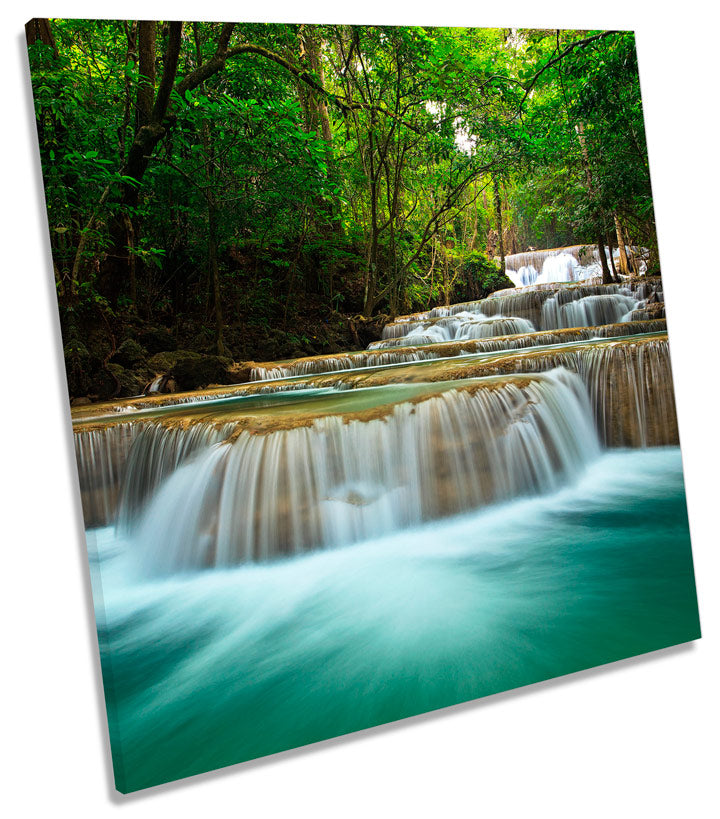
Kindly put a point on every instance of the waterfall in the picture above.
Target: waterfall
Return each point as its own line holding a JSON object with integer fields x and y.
{"x": 479, "y": 326}
{"x": 631, "y": 391}
{"x": 464, "y": 324}
{"x": 101, "y": 455}
{"x": 156, "y": 452}
{"x": 532, "y": 304}
{"x": 527, "y": 274}
{"x": 125, "y": 460}
{"x": 608, "y": 308}
{"x": 400, "y": 351}
{"x": 561, "y": 268}
{"x": 400, "y": 327}
{"x": 562, "y": 264}
{"x": 629, "y": 385}
{"x": 613, "y": 303}
{"x": 337, "y": 480}
{"x": 631, "y": 374}
{"x": 337, "y": 363}
{"x": 575, "y": 263}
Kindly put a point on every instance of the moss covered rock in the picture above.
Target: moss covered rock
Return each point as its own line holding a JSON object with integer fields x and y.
{"x": 127, "y": 383}
{"x": 130, "y": 354}
{"x": 192, "y": 370}
{"x": 163, "y": 362}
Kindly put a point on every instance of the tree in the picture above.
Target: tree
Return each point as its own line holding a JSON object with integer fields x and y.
{"x": 229, "y": 180}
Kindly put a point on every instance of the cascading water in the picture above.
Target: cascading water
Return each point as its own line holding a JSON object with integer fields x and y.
{"x": 479, "y": 326}
{"x": 629, "y": 379}
{"x": 402, "y": 352}
{"x": 338, "y": 481}
{"x": 600, "y": 304}
{"x": 489, "y": 537}
{"x": 629, "y": 383}
{"x": 460, "y": 325}
{"x": 577, "y": 263}
{"x": 585, "y": 312}
{"x": 156, "y": 452}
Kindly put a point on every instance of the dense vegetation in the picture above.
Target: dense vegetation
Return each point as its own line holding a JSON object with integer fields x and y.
{"x": 260, "y": 191}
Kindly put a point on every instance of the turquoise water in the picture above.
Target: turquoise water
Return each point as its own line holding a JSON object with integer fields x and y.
{"x": 211, "y": 668}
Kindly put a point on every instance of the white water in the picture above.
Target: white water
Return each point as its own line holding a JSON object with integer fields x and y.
{"x": 461, "y": 325}
{"x": 587, "y": 312}
{"x": 400, "y": 351}
{"x": 566, "y": 264}
{"x": 449, "y": 539}
{"x": 542, "y": 306}
{"x": 337, "y": 482}
{"x": 211, "y": 668}
{"x": 557, "y": 266}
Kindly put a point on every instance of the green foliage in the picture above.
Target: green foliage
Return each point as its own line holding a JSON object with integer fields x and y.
{"x": 374, "y": 194}
{"x": 487, "y": 275}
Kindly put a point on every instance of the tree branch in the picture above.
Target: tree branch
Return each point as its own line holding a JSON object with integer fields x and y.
{"x": 172, "y": 54}
{"x": 561, "y": 56}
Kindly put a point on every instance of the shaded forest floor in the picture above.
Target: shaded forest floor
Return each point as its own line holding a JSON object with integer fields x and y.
{"x": 120, "y": 355}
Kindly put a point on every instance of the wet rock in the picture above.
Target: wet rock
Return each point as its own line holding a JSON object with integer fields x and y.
{"x": 194, "y": 371}
{"x": 651, "y": 311}
{"x": 240, "y": 373}
{"x": 163, "y": 384}
{"x": 127, "y": 382}
{"x": 163, "y": 362}
{"x": 191, "y": 370}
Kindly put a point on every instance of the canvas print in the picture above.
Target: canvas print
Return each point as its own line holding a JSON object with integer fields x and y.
{"x": 366, "y": 350}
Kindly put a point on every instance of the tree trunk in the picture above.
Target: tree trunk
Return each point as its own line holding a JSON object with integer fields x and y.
{"x": 146, "y": 68}
{"x": 116, "y": 270}
{"x": 580, "y": 130}
{"x": 38, "y": 30}
{"x": 213, "y": 263}
{"x": 624, "y": 266}
{"x": 317, "y": 118}
{"x": 606, "y": 275}
{"x": 612, "y": 260}
{"x": 314, "y": 105}
{"x": 498, "y": 221}
{"x": 372, "y": 263}
{"x": 132, "y": 258}
{"x": 446, "y": 277}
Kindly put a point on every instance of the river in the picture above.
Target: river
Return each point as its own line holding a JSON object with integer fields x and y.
{"x": 305, "y": 556}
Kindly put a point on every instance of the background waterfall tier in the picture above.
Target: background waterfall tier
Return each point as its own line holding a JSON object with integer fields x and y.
{"x": 565, "y": 264}
{"x": 402, "y": 350}
{"x": 545, "y": 307}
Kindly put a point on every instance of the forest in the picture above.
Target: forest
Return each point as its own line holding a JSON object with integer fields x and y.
{"x": 371, "y": 392}
{"x": 223, "y": 193}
